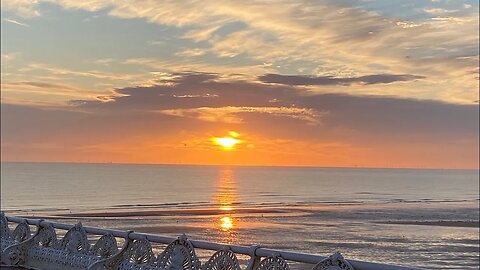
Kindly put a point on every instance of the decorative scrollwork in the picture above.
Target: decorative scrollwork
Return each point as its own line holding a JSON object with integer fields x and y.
{"x": 333, "y": 262}
{"x": 222, "y": 260}
{"x": 179, "y": 248}
{"x": 75, "y": 240}
{"x": 116, "y": 261}
{"x": 4, "y": 229}
{"x": 21, "y": 232}
{"x": 139, "y": 252}
{"x": 105, "y": 247}
{"x": 6, "y": 238}
{"x": 273, "y": 263}
{"x": 46, "y": 237}
{"x": 15, "y": 255}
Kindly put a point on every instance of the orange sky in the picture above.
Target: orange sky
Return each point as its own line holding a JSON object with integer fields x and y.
{"x": 290, "y": 144}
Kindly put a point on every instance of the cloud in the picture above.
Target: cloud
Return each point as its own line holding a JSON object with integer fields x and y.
{"x": 310, "y": 31}
{"x": 8, "y": 57}
{"x": 70, "y": 72}
{"x": 22, "y": 8}
{"x": 16, "y": 22}
{"x": 212, "y": 97}
{"x": 194, "y": 90}
{"x": 330, "y": 80}
{"x": 192, "y": 107}
{"x": 321, "y": 39}
{"x": 42, "y": 85}
{"x": 191, "y": 52}
{"x": 206, "y": 97}
{"x": 185, "y": 65}
{"x": 437, "y": 11}
{"x": 230, "y": 114}
{"x": 51, "y": 93}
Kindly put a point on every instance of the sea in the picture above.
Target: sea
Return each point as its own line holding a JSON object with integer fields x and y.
{"x": 412, "y": 217}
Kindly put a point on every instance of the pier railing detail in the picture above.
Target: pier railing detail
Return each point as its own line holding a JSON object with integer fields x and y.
{"x": 43, "y": 250}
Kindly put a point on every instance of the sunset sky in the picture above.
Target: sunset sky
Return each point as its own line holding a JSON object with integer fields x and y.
{"x": 369, "y": 83}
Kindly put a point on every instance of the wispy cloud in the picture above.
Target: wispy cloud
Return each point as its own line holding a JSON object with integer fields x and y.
{"x": 192, "y": 52}
{"x": 330, "y": 80}
{"x": 319, "y": 38}
{"x": 22, "y": 8}
{"x": 231, "y": 114}
{"x": 9, "y": 56}
{"x": 16, "y": 22}
{"x": 51, "y": 94}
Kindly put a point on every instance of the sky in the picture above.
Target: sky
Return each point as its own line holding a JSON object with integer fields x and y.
{"x": 347, "y": 83}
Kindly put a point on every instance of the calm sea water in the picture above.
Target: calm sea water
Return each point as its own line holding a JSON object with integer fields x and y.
{"x": 426, "y": 218}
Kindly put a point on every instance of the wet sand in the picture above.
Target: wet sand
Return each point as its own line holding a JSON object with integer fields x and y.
{"x": 461, "y": 224}
{"x": 173, "y": 212}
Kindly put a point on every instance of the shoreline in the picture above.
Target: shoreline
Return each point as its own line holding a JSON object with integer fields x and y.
{"x": 239, "y": 212}
{"x": 441, "y": 223}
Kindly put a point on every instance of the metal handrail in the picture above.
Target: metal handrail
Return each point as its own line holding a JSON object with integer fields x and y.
{"x": 252, "y": 251}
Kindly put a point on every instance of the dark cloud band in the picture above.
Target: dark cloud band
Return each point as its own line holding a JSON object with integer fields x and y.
{"x": 330, "y": 80}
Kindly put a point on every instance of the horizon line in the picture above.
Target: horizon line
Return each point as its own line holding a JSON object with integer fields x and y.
{"x": 239, "y": 165}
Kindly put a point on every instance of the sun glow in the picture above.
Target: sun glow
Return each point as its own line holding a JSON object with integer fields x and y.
{"x": 227, "y": 142}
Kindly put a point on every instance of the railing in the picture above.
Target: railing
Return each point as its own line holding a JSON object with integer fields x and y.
{"x": 42, "y": 250}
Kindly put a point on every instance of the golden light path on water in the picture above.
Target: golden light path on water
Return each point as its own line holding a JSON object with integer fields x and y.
{"x": 226, "y": 223}
{"x": 225, "y": 198}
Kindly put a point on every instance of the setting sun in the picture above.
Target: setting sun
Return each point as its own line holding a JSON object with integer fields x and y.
{"x": 227, "y": 142}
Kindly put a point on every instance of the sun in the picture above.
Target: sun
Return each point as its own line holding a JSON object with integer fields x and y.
{"x": 228, "y": 142}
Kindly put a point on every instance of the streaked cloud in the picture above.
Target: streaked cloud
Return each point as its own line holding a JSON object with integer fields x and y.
{"x": 16, "y": 22}
{"x": 330, "y": 80}
{"x": 191, "y": 52}
{"x": 231, "y": 114}
{"x": 49, "y": 94}
{"x": 316, "y": 39}
{"x": 69, "y": 72}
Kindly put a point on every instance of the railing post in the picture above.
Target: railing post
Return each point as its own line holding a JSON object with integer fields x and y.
{"x": 254, "y": 259}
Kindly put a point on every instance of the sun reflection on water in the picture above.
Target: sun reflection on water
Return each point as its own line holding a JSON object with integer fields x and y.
{"x": 225, "y": 198}
{"x": 226, "y": 208}
{"x": 226, "y": 223}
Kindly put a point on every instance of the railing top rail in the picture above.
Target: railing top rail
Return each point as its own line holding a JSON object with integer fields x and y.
{"x": 245, "y": 250}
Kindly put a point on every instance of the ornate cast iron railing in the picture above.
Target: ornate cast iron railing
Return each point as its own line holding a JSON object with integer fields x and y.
{"x": 43, "y": 250}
